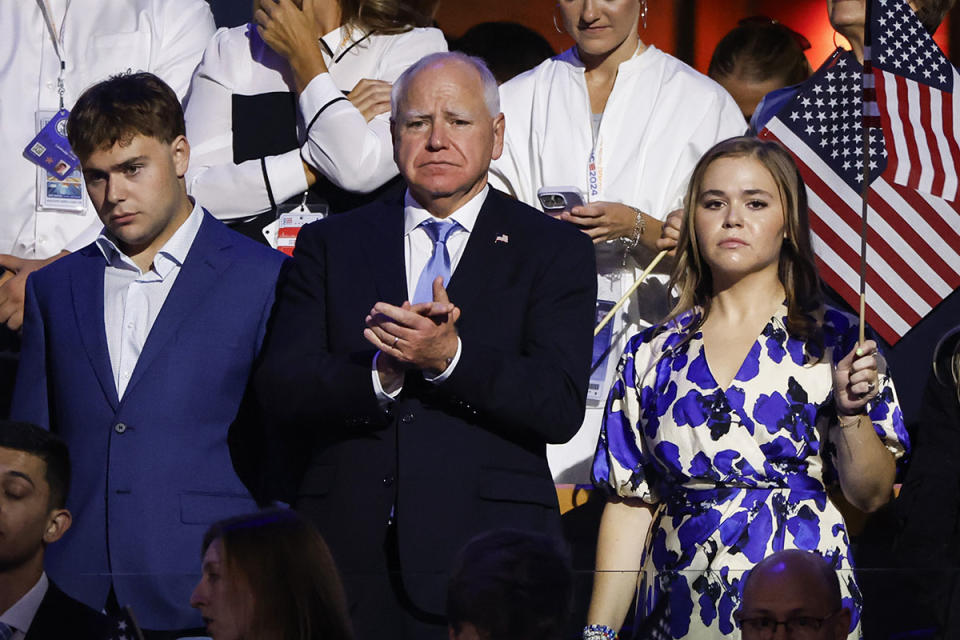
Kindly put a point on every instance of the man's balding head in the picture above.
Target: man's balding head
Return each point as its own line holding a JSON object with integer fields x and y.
{"x": 446, "y": 129}
{"x": 797, "y": 587}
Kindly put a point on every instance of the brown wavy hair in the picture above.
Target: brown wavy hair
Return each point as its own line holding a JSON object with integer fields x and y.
{"x": 385, "y": 16}
{"x": 797, "y": 270}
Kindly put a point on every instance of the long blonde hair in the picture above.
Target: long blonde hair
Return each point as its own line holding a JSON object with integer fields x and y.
{"x": 797, "y": 270}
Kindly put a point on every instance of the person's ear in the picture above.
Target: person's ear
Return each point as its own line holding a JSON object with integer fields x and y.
{"x": 58, "y": 521}
{"x": 499, "y": 124}
{"x": 842, "y": 628}
{"x": 180, "y": 150}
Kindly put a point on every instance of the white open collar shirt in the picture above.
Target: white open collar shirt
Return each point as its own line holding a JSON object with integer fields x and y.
{"x": 132, "y": 298}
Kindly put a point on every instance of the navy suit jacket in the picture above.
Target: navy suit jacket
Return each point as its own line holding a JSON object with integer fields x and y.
{"x": 60, "y": 616}
{"x": 456, "y": 458}
{"x": 150, "y": 471}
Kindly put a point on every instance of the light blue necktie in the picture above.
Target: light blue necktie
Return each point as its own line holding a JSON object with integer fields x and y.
{"x": 5, "y": 632}
{"x": 439, "y": 263}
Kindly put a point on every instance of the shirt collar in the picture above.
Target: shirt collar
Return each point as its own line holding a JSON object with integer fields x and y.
{"x": 20, "y": 615}
{"x": 172, "y": 253}
{"x": 465, "y": 216}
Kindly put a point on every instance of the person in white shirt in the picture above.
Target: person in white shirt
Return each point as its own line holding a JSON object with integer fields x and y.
{"x": 623, "y": 123}
{"x": 35, "y": 479}
{"x": 299, "y": 100}
{"x": 93, "y": 40}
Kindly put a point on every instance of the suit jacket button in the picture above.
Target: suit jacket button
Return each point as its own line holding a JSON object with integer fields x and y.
{"x": 120, "y": 427}
{"x": 407, "y": 418}
{"x": 388, "y": 480}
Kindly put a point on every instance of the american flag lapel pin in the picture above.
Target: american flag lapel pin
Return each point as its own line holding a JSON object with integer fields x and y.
{"x": 504, "y": 238}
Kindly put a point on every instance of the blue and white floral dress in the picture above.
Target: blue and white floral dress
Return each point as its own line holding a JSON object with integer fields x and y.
{"x": 738, "y": 473}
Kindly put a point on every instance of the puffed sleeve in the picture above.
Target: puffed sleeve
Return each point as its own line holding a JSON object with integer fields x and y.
{"x": 622, "y": 463}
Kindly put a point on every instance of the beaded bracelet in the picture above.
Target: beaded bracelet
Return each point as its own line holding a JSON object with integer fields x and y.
{"x": 598, "y": 632}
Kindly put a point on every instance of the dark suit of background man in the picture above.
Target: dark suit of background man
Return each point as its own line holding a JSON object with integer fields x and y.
{"x": 34, "y": 479}
{"x": 426, "y": 423}
{"x": 137, "y": 351}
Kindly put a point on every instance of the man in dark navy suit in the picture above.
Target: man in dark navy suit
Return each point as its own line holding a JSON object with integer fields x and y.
{"x": 424, "y": 352}
{"x": 34, "y": 479}
{"x": 137, "y": 351}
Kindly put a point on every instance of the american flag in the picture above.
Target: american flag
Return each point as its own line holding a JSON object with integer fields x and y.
{"x": 913, "y": 255}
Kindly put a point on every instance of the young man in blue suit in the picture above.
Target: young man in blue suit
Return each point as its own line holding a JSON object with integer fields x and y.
{"x": 424, "y": 352}
{"x": 137, "y": 351}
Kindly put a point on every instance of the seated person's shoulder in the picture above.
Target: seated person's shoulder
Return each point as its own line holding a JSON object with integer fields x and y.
{"x": 59, "y": 614}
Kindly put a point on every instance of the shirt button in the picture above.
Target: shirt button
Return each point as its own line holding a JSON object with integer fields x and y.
{"x": 407, "y": 418}
{"x": 388, "y": 480}
{"x": 120, "y": 427}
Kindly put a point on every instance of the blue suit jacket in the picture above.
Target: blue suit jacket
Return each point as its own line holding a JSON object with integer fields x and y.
{"x": 150, "y": 471}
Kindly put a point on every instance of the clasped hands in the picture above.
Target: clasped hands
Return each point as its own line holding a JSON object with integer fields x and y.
{"x": 414, "y": 336}
{"x": 856, "y": 379}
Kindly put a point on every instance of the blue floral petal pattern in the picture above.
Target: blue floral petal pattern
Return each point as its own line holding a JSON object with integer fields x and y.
{"x": 736, "y": 473}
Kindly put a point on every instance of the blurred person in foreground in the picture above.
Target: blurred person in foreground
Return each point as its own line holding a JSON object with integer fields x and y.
{"x": 270, "y": 576}
{"x": 796, "y": 590}
{"x": 295, "y": 106}
{"x": 510, "y": 585}
{"x": 733, "y": 426}
{"x": 758, "y": 56}
{"x": 137, "y": 351}
{"x": 623, "y": 123}
{"x": 422, "y": 354}
{"x": 34, "y": 481}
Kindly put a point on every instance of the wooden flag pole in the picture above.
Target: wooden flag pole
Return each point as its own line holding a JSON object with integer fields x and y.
{"x": 643, "y": 276}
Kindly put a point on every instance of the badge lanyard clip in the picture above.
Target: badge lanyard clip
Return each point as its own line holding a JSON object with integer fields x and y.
{"x": 56, "y": 35}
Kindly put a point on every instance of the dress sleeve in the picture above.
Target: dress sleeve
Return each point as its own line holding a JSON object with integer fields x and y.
{"x": 621, "y": 465}
{"x": 354, "y": 154}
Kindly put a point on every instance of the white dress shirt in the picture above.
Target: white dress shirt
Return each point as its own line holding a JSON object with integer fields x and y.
{"x": 20, "y": 616}
{"x": 335, "y": 138}
{"x": 100, "y": 39}
{"x": 417, "y": 249}
{"x": 132, "y": 299}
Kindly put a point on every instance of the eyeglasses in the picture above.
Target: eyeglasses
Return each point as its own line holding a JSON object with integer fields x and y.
{"x": 798, "y": 627}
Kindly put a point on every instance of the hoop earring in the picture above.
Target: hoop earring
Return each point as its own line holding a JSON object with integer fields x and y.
{"x": 643, "y": 13}
{"x": 556, "y": 25}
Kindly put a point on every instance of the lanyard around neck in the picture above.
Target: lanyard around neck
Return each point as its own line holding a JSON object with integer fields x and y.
{"x": 56, "y": 36}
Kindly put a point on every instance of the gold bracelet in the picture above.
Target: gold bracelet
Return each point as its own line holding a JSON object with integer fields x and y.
{"x": 847, "y": 425}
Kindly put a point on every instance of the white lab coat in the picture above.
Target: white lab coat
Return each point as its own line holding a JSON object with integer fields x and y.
{"x": 661, "y": 116}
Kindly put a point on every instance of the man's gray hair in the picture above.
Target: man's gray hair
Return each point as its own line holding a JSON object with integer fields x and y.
{"x": 491, "y": 93}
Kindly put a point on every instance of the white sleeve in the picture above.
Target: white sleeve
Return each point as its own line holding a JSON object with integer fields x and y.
{"x": 512, "y": 171}
{"x": 353, "y": 154}
{"x": 184, "y": 28}
{"x": 226, "y": 189}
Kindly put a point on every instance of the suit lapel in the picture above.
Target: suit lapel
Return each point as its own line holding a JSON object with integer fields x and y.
{"x": 384, "y": 247}
{"x": 484, "y": 256}
{"x": 207, "y": 259}
{"x": 87, "y": 290}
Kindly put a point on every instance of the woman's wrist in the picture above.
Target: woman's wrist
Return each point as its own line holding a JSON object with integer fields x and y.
{"x": 632, "y": 239}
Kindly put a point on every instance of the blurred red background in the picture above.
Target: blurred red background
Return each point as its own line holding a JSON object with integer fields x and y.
{"x": 689, "y": 29}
